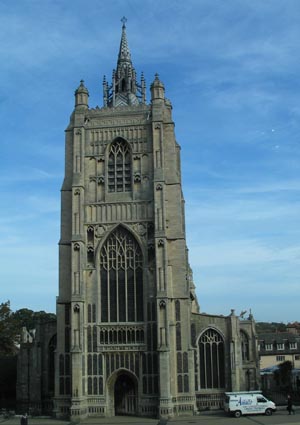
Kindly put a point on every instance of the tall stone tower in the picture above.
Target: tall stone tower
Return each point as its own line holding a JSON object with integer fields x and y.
{"x": 125, "y": 292}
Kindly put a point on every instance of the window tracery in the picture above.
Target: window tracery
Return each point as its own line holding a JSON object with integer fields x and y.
{"x": 177, "y": 311}
{"x": 119, "y": 167}
{"x": 121, "y": 275}
{"x": 245, "y": 346}
{"x": 211, "y": 355}
{"x": 178, "y": 336}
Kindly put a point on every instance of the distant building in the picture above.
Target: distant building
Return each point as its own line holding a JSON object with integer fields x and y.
{"x": 293, "y": 328}
{"x": 274, "y": 349}
{"x": 130, "y": 336}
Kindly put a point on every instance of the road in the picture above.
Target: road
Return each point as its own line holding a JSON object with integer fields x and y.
{"x": 220, "y": 418}
{"x": 207, "y": 418}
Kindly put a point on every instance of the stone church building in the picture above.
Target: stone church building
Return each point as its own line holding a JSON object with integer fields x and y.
{"x": 130, "y": 337}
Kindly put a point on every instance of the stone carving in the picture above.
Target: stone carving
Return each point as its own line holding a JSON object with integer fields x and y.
{"x": 100, "y": 230}
{"x": 162, "y": 304}
{"x": 98, "y": 179}
{"x": 115, "y": 122}
{"x": 140, "y": 229}
{"x": 110, "y": 212}
{"x": 27, "y": 336}
{"x": 108, "y": 112}
{"x": 137, "y": 177}
{"x": 161, "y": 242}
{"x": 76, "y": 247}
{"x": 76, "y": 308}
{"x": 159, "y": 186}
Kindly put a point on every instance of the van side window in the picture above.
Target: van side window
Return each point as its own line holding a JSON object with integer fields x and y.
{"x": 261, "y": 400}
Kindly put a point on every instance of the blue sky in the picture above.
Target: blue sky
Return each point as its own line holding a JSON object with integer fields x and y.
{"x": 231, "y": 69}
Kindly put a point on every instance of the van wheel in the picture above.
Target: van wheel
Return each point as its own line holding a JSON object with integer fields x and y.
{"x": 268, "y": 412}
{"x": 237, "y": 414}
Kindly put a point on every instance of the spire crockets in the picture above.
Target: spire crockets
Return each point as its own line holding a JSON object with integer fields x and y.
{"x": 124, "y": 90}
{"x": 124, "y": 53}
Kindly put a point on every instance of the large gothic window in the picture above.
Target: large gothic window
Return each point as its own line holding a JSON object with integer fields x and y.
{"x": 121, "y": 273}
{"x": 119, "y": 167}
{"x": 211, "y": 353}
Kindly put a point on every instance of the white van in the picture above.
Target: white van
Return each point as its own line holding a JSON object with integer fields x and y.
{"x": 248, "y": 403}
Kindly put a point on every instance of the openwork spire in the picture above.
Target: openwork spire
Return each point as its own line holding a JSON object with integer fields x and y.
{"x": 124, "y": 89}
{"x": 124, "y": 52}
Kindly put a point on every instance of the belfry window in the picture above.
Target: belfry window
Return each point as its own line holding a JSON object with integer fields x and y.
{"x": 121, "y": 273}
{"x": 211, "y": 353}
{"x": 119, "y": 167}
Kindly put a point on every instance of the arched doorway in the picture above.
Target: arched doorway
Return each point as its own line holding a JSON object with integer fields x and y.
{"x": 125, "y": 396}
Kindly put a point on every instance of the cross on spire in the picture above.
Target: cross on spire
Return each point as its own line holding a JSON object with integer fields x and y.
{"x": 125, "y": 90}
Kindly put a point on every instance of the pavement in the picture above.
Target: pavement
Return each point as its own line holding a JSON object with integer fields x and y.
{"x": 214, "y": 417}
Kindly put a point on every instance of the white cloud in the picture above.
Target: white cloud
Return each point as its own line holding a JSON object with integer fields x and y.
{"x": 262, "y": 206}
{"x": 241, "y": 252}
{"x": 26, "y": 175}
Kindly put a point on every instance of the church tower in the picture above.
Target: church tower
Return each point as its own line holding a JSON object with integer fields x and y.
{"x": 125, "y": 289}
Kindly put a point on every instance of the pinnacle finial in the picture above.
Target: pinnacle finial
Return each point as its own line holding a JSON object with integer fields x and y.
{"x": 124, "y": 20}
{"x": 81, "y": 96}
{"x": 81, "y": 88}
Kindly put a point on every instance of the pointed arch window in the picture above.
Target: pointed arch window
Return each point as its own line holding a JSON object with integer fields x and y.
{"x": 119, "y": 167}
{"x": 121, "y": 274}
{"x": 178, "y": 336}
{"x": 177, "y": 311}
{"x": 211, "y": 355}
{"x": 245, "y": 346}
{"x": 51, "y": 367}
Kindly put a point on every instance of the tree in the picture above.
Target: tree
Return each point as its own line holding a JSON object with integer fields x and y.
{"x": 267, "y": 327}
{"x": 29, "y": 318}
{"x": 283, "y": 375}
{"x": 9, "y": 330}
{"x": 11, "y": 324}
